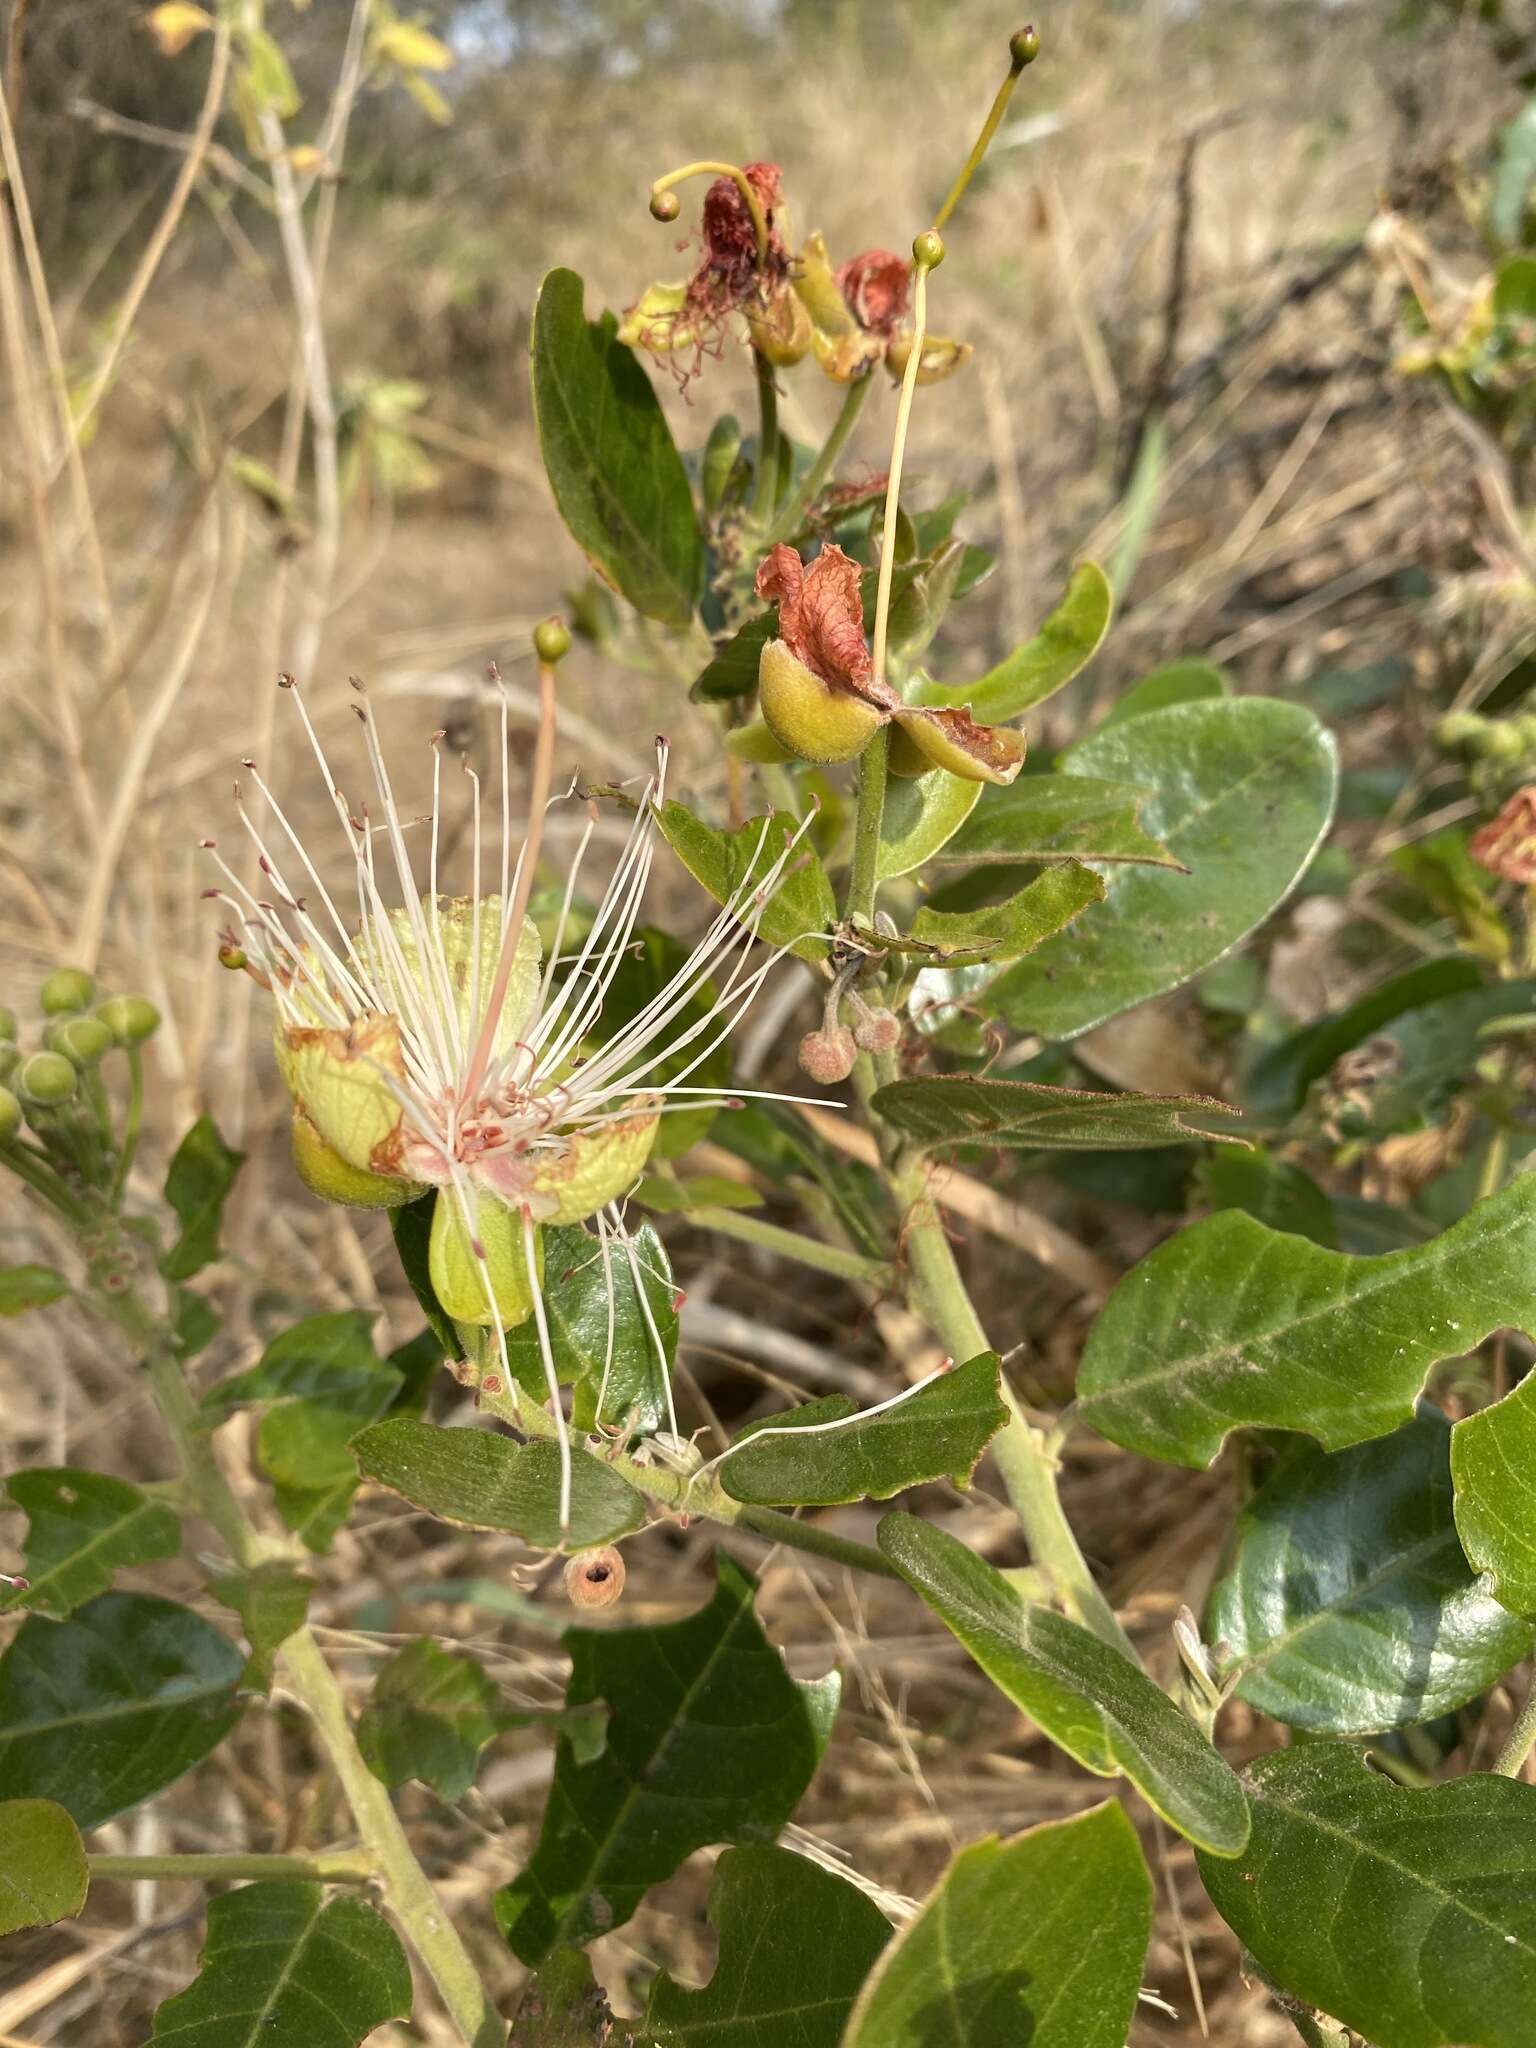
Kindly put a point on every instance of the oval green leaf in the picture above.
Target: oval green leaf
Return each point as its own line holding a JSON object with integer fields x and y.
{"x": 1493, "y": 1467}
{"x": 600, "y": 1328}
{"x": 1177, "y": 682}
{"x": 1062, "y": 648}
{"x": 960, "y": 1109}
{"x": 429, "y": 1715}
{"x": 1054, "y": 818}
{"x": 802, "y": 909}
{"x": 1087, "y": 1697}
{"x": 81, "y": 1528}
{"x": 921, "y": 812}
{"x": 43, "y": 1874}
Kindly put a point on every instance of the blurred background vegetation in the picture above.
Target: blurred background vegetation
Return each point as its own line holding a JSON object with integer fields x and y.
{"x": 1222, "y": 273}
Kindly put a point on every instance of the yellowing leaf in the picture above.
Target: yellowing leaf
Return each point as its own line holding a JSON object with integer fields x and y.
{"x": 428, "y": 98}
{"x": 412, "y": 48}
{"x": 175, "y": 23}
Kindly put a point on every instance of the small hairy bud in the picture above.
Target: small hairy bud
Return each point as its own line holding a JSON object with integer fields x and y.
{"x": 67, "y": 988}
{"x": 7, "y": 1027}
{"x": 1024, "y": 46}
{"x": 928, "y": 249}
{"x": 45, "y": 1079}
{"x": 877, "y": 1031}
{"x": 130, "y": 1019}
{"x": 828, "y": 1056}
{"x": 665, "y": 206}
{"x": 595, "y": 1578}
{"x": 551, "y": 640}
{"x": 10, "y": 1116}
{"x": 82, "y": 1040}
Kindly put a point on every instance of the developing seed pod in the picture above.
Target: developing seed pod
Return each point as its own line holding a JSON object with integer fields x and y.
{"x": 10, "y": 1116}
{"x": 1024, "y": 46}
{"x": 67, "y": 988}
{"x": 44, "y": 1080}
{"x": 595, "y": 1578}
{"x": 665, "y": 206}
{"x": 130, "y": 1019}
{"x": 828, "y": 1056}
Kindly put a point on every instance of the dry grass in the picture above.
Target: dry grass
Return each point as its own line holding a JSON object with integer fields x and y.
{"x": 1297, "y": 490}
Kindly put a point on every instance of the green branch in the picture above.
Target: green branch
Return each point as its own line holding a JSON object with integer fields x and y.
{"x": 340, "y": 1866}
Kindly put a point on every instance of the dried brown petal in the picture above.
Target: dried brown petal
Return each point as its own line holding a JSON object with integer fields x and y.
{"x": 821, "y": 618}
{"x": 875, "y": 286}
{"x": 1506, "y": 846}
{"x": 953, "y": 740}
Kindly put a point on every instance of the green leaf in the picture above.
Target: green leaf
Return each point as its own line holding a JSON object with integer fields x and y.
{"x": 1231, "y": 1325}
{"x": 43, "y": 1874}
{"x": 733, "y": 670}
{"x": 795, "y": 1945}
{"x": 709, "y": 1740}
{"x": 102, "y": 1710}
{"x": 1271, "y": 1190}
{"x": 577, "y": 1308}
{"x": 1410, "y": 1916}
{"x": 1242, "y": 792}
{"x": 1514, "y": 177}
{"x": 1053, "y": 818}
{"x": 482, "y": 1480}
{"x": 81, "y": 1528}
{"x": 411, "y": 1224}
{"x": 1493, "y": 1467}
{"x": 939, "y": 1431}
{"x": 563, "y": 2006}
{"x": 1041, "y": 1939}
{"x": 199, "y": 1177}
{"x": 429, "y": 1715}
{"x": 283, "y": 1967}
{"x": 617, "y": 478}
{"x": 955, "y": 1109}
{"x": 650, "y": 965}
{"x": 1084, "y": 1695}
{"x": 1007, "y": 931}
{"x": 800, "y": 910}
{"x": 1347, "y": 1601}
{"x": 272, "y": 1601}
{"x": 695, "y": 1191}
{"x": 1177, "y": 682}
{"x": 921, "y": 813}
{"x": 1064, "y": 645}
{"x": 24, "y": 1287}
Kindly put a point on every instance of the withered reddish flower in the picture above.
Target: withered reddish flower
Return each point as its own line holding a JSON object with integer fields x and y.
{"x": 730, "y": 240}
{"x": 821, "y": 617}
{"x": 875, "y": 286}
{"x": 1506, "y": 845}
{"x": 687, "y": 322}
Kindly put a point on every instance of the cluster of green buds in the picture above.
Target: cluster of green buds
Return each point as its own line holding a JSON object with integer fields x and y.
{"x": 58, "y": 1131}
{"x": 1499, "y": 753}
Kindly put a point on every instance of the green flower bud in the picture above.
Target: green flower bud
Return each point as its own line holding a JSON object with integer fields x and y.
{"x": 130, "y": 1019}
{"x": 82, "y": 1040}
{"x": 807, "y": 716}
{"x": 7, "y": 1027}
{"x": 928, "y": 249}
{"x": 67, "y": 988}
{"x": 499, "y": 1293}
{"x": 10, "y": 1116}
{"x": 1024, "y": 47}
{"x": 326, "y": 1174}
{"x": 665, "y": 206}
{"x": 551, "y": 640}
{"x": 45, "y": 1079}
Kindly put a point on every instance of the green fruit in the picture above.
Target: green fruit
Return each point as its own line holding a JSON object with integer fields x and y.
{"x": 551, "y": 640}
{"x": 67, "y": 988}
{"x": 130, "y": 1019}
{"x": 45, "y": 1079}
{"x": 10, "y": 1116}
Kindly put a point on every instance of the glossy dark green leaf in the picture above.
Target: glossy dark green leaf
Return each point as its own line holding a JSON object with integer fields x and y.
{"x": 24, "y": 1287}
{"x": 1230, "y": 1324}
{"x": 921, "y": 813}
{"x": 1177, "y": 682}
{"x": 1410, "y": 1916}
{"x": 795, "y": 1945}
{"x": 709, "y": 1740}
{"x": 103, "y": 1709}
{"x": 1052, "y": 818}
{"x": 1493, "y": 1467}
{"x": 584, "y": 1297}
{"x": 285, "y": 1967}
{"x": 1241, "y": 794}
{"x": 937, "y": 1432}
{"x": 272, "y": 1601}
{"x": 1278, "y": 1084}
{"x": 200, "y": 1175}
{"x": 43, "y": 1875}
{"x": 486, "y": 1481}
{"x": 955, "y": 1109}
{"x": 1039, "y": 1940}
{"x": 1347, "y": 1601}
{"x": 429, "y": 1715}
{"x": 802, "y": 907}
{"x": 1088, "y": 1698}
{"x": 81, "y": 1528}
{"x": 613, "y": 466}
{"x": 732, "y": 672}
{"x": 1064, "y": 646}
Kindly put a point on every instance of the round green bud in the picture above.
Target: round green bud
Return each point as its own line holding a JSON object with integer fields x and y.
{"x": 130, "y": 1019}
{"x": 10, "y": 1060}
{"x": 7, "y": 1027}
{"x": 928, "y": 249}
{"x": 10, "y": 1116}
{"x": 1024, "y": 46}
{"x": 665, "y": 206}
{"x": 45, "y": 1079}
{"x": 67, "y": 988}
{"x": 82, "y": 1040}
{"x": 551, "y": 640}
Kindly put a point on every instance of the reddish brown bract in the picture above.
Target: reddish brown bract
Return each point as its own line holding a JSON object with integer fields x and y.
{"x": 876, "y": 286}
{"x": 1506, "y": 846}
{"x": 821, "y": 616}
